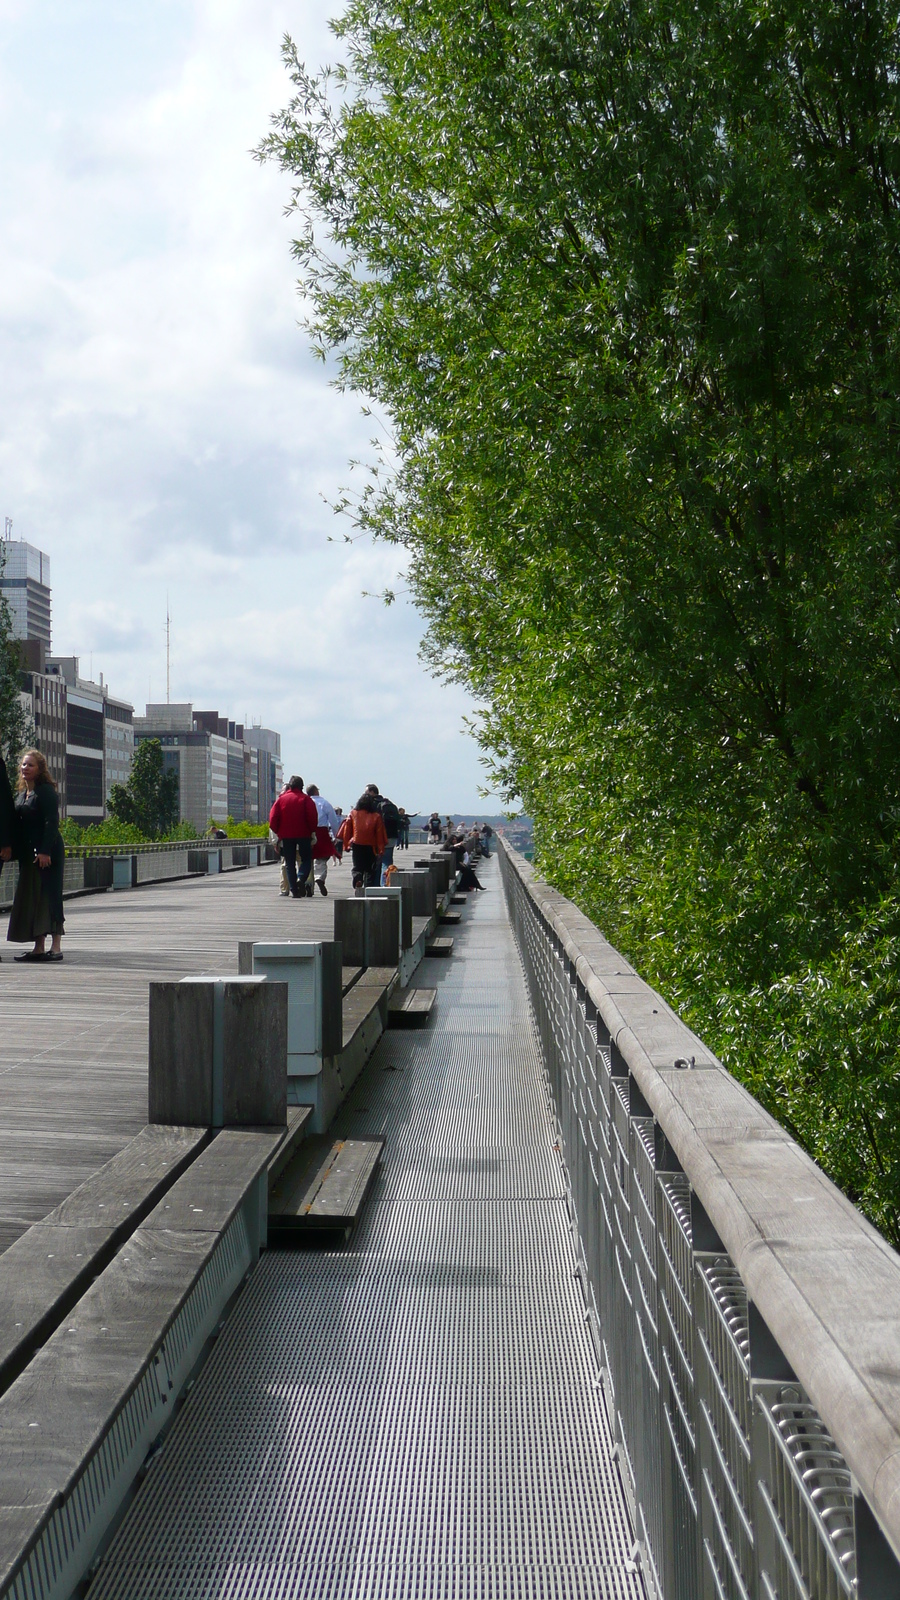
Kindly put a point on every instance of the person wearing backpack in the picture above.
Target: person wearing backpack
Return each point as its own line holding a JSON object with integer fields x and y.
{"x": 390, "y": 816}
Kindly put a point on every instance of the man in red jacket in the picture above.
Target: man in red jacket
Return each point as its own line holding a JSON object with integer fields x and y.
{"x": 293, "y": 818}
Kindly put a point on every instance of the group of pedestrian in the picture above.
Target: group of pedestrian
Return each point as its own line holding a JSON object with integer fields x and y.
{"x": 29, "y": 834}
{"x": 477, "y": 840}
{"x": 311, "y": 833}
{"x": 466, "y": 848}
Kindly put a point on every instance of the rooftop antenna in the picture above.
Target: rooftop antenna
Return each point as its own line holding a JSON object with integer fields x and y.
{"x": 7, "y": 530}
{"x": 168, "y": 636}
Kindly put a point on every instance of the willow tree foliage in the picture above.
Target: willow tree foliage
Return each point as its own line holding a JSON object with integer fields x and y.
{"x": 624, "y": 279}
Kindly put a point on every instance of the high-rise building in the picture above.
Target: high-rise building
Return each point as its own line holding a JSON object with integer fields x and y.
{"x": 25, "y": 585}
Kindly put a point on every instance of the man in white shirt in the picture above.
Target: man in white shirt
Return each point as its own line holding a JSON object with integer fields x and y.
{"x": 326, "y": 833}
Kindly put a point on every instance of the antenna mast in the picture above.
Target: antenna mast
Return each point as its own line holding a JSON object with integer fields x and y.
{"x": 168, "y": 631}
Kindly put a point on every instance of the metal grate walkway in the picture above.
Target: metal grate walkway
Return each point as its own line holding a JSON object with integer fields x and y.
{"x": 416, "y": 1417}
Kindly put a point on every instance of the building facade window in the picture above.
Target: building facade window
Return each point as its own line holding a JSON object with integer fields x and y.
{"x": 84, "y": 782}
{"x": 85, "y": 727}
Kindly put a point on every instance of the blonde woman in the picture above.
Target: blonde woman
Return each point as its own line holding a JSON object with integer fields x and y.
{"x": 38, "y": 905}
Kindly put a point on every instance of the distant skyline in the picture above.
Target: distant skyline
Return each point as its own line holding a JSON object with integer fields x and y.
{"x": 165, "y": 428}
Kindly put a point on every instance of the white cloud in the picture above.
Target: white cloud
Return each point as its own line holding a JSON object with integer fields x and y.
{"x": 164, "y": 427}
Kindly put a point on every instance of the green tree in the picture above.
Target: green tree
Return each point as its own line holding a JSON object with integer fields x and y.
{"x": 149, "y": 800}
{"x": 627, "y": 286}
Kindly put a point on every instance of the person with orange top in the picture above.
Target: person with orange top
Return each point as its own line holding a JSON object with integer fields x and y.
{"x": 364, "y": 833}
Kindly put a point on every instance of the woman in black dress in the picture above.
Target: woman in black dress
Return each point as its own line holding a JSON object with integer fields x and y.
{"x": 38, "y": 904}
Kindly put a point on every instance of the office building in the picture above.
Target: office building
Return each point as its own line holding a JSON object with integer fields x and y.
{"x": 222, "y": 772}
{"x": 186, "y": 752}
{"x": 118, "y": 740}
{"x": 265, "y": 769}
{"x": 25, "y": 585}
{"x": 43, "y": 695}
{"x": 86, "y": 787}
{"x": 225, "y": 755}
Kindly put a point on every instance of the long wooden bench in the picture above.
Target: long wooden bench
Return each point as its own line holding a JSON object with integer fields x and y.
{"x": 49, "y": 1267}
{"x": 77, "y": 1424}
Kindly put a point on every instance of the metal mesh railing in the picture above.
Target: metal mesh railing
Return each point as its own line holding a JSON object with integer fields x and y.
{"x": 737, "y": 1489}
{"x": 808, "y": 1500}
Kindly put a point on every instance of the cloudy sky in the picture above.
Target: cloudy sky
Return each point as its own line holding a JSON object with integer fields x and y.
{"x": 164, "y": 427}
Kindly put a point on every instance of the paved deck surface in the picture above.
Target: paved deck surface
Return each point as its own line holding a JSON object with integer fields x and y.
{"x": 417, "y": 1416}
{"x": 73, "y": 1047}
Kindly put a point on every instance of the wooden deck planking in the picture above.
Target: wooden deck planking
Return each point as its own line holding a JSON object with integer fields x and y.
{"x": 73, "y": 1046}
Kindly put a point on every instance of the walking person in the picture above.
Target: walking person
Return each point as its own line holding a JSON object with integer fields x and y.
{"x": 326, "y": 833}
{"x": 38, "y": 905}
{"x": 294, "y": 819}
{"x": 390, "y": 816}
{"x": 364, "y": 834}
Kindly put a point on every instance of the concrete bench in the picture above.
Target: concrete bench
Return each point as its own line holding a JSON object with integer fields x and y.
{"x": 412, "y": 943}
{"x": 218, "y": 1048}
{"x": 369, "y": 930}
{"x": 336, "y": 1013}
{"x": 442, "y": 870}
{"x": 313, "y": 976}
{"x": 404, "y": 900}
{"x": 204, "y": 861}
{"x": 421, "y": 884}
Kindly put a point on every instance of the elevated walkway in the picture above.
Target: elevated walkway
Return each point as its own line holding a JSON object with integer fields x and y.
{"x": 423, "y": 1412}
{"x": 418, "y": 1414}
